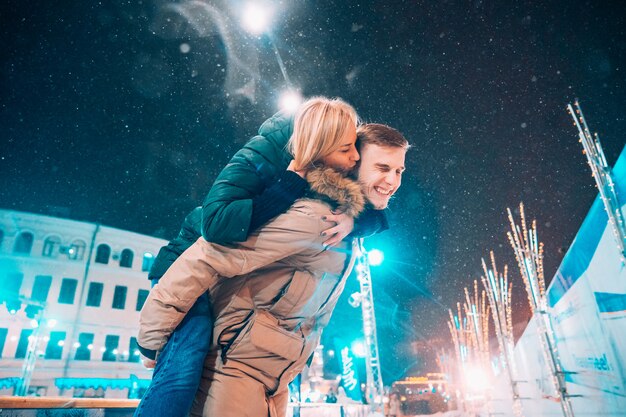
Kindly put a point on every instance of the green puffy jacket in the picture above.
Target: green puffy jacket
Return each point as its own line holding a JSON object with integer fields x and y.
{"x": 225, "y": 216}
{"x": 227, "y": 209}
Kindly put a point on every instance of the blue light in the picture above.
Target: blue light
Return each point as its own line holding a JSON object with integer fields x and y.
{"x": 375, "y": 257}
{"x": 358, "y": 348}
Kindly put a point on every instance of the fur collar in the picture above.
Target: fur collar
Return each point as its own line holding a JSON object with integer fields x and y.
{"x": 343, "y": 192}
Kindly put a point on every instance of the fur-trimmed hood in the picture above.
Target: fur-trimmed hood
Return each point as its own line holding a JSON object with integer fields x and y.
{"x": 344, "y": 193}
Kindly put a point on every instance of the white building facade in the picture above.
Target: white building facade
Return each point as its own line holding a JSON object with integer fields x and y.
{"x": 70, "y": 296}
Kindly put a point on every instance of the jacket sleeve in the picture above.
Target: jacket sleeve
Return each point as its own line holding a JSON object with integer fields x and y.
{"x": 227, "y": 208}
{"x": 277, "y": 198}
{"x": 197, "y": 270}
{"x": 189, "y": 233}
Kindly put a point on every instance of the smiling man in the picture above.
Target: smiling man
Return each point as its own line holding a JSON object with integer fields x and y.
{"x": 273, "y": 294}
{"x": 383, "y": 152}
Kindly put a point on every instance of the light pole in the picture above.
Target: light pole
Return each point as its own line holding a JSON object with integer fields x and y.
{"x": 365, "y": 298}
{"x": 33, "y": 344}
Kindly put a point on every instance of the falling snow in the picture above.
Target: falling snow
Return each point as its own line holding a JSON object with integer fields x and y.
{"x": 123, "y": 113}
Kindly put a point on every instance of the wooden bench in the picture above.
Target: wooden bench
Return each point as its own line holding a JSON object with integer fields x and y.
{"x": 66, "y": 407}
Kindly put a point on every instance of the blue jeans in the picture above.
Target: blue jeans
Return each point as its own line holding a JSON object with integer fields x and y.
{"x": 179, "y": 366}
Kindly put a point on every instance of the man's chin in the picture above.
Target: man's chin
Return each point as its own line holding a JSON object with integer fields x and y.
{"x": 379, "y": 205}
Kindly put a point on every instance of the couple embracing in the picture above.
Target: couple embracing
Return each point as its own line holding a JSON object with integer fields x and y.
{"x": 252, "y": 279}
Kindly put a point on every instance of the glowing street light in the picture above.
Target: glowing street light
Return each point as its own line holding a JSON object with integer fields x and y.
{"x": 256, "y": 18}
{"x": 290, "y": 100}
{"x": 375, "y": 257}
{"x": 358, "y": 348}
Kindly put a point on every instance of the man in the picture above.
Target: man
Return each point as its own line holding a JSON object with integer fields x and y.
{"x": 274, "y": 293}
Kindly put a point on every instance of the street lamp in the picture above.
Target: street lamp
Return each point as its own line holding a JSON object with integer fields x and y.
{"x": 358, "y": 348}
{"x": 290, "y": 100}
{"x": 256, "y": 17}
{"x": 256, "y": 20}
{"x": 375, "y": 257}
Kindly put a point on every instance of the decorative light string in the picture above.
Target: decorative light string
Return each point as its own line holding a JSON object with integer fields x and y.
{"x": 529, "y": 254}
{"x": 498, "y": 291}
{"x": 602, "y": 173}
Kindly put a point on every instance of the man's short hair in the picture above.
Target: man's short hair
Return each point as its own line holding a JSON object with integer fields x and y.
{"x": 381, "y": 135}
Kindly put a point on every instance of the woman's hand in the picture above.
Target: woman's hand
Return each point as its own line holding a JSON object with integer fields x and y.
{"x": 343, "y": 227}
{"x": 292, "y": 167}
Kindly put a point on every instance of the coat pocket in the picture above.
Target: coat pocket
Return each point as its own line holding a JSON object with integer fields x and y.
{"x": 265, "y": 346}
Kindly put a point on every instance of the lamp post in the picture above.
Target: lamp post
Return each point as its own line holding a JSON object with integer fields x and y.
{"x": 30, "y": 359}
{"x": 365, "y": 298}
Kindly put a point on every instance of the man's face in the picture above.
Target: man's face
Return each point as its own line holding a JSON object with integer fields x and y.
{"x": 380, "y": 173}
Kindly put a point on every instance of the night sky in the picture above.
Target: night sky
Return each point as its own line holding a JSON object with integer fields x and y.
{"x": 123, "y": 113}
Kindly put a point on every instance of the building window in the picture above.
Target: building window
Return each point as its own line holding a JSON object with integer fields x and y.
{"x": 24, "y": 243}
{"x": 148, "y": 260}
{"x": 3, "y": 338}
{"x": 40, "y": 291}
{"x": 141, "y": 299}
{"x": 94, "y": 295}
{"x": 51, "y": 246}
{"x": 22, "y": 345}
{"x": 54, "y": 350}
{"x": 126, "y": 260}
{"x": 85, "y": 344}
{"x": 68, "y": 291}
{"x": 10, "y": 285}
{"x": 41, "y": 288}
{"x": 110, "y": 348}
{"x": 119, "y": 297}
{"x": 103, "y": 253}
{"x": 76, "y": 251}
{"x": 133, "y": 351}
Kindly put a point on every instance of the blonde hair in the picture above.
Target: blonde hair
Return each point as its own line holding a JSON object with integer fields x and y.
{"x": 318, "y": 126}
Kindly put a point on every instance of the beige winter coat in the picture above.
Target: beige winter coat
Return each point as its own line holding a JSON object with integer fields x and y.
{"x": 272, "y": 295}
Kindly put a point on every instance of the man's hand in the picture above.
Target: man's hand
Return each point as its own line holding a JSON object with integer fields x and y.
{"x": 149, "y": 363}
{"x": 292, "y": 167}
{"x": 343, "y": 226}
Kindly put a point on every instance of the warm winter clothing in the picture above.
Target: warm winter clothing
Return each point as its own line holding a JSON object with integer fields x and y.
{"x": 272, "y": 296}
{"x": 253, "y": 188}
{"x": 257, "y": 176}
{"x": 227, "y": 208}
{"x": 272, "y": 189}
{"x": 178, "y": 371}
{"x": 169, "y": 253}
